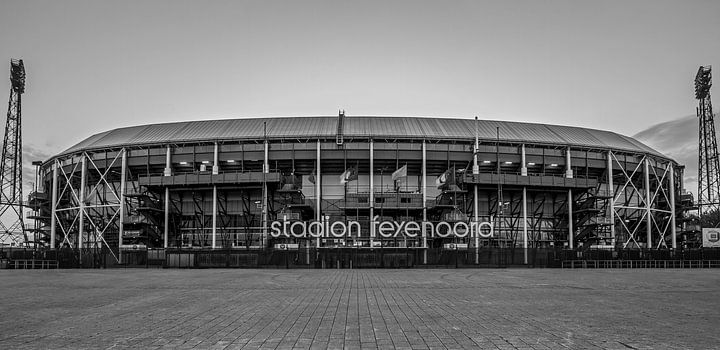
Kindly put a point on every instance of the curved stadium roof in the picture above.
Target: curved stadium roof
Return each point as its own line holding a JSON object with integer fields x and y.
{"x": 376, "y": 127}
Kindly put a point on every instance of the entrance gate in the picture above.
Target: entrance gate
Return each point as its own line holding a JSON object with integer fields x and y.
{"x": 349, "y": 258}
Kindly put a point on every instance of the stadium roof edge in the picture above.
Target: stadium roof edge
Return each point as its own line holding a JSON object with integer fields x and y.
{"x": 359, "y": 127}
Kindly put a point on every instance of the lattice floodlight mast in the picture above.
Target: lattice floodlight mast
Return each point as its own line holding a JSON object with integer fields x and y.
{"x": 709, "y": 165}
{"x": 12, "y": 225}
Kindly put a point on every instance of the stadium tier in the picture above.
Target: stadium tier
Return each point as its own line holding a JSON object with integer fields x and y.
{"x": 300, "y": 183}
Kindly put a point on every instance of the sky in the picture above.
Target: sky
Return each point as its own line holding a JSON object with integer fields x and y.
{"x": 98, "y": 65}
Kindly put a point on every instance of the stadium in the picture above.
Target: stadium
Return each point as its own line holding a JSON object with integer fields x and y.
{"x": 408, "y": 191}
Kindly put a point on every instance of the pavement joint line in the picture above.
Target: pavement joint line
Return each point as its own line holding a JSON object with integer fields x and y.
{"x": 373, "y": 308}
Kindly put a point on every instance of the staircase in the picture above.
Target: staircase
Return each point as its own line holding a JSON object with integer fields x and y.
{"x": 590, "y": 220}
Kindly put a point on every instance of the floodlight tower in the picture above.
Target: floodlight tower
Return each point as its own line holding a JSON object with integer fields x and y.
{"x": 709, "y": 165}
{"x": 12, "y": 224}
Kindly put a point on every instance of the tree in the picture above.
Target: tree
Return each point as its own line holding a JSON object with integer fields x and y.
{"x": 710, "y": 219}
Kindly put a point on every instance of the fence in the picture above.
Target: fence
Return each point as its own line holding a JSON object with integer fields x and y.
{"x": 346, "y": 257}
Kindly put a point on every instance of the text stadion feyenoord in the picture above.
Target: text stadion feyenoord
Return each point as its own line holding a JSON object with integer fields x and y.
{"x": 386, "y": 229}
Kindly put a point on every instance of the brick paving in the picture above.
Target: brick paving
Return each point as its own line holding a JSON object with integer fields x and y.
{"x": 360, "y": 309}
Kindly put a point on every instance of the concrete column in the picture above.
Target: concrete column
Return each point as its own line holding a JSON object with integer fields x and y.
{"x": 648, "y": 213}
{"x": 167, "y": 217}
{"x": 318, "y": 178}
{"x": 83, "y": 179}
{"x": 568, "y": 164}
{"x": 168, "y": 164}
{"x": 523, "y": 169}
{"x": 53, "y": 205}
{"x": 611, "y": 192}
{"x": 214, "y": 217}
{"x": 672, "y": 206}
{"x": 123, "y": 189}
{"x": 525, "y": 224}
{"x": 266, "y": 162}
{"x": 216, "y": 165}
{"x": 372, "y": 192}
{"x": 570, "y": 220}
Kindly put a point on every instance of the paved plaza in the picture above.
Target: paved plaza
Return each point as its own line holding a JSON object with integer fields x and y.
{"x": 358, "y": 309}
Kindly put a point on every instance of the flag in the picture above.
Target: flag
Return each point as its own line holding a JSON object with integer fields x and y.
{"x": 311, "y": 178}
{"x": 440, "y": 180}
{"x": 402, "y": 172}
{"x": 448, "y": 177}
{"x": 348, "y": 175}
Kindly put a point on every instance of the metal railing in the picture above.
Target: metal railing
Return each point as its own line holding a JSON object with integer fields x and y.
{"x": 33, "y": 264}
{"x": 358, "y": 257}
{"x": 639, "y": 264}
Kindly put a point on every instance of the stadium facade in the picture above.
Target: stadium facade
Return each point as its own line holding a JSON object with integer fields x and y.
{"x": 366, "y": 183}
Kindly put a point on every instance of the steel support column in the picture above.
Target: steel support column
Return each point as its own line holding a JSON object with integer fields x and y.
{"x": 523, "y": 168}
{"x": 476, "y": 206}
{"x": 166, "y": 229}
{"x": 214, "y": 217}
{"x": 525, "y": 222}
{"x": 318, "y": 181}
{"x": 570, "y": 219}
{"x": 424, "y": 200}
{"x": 648, "y": 202}
{"x": 611, "y": 193}
{"x": 672, "y": 206}
{"x": 53, "y": 205}
{"x": 123, "y": 179}
{"x": 266, "y": 170}
{"x": 83, "y": 175}
{"x": 372, "y": 193}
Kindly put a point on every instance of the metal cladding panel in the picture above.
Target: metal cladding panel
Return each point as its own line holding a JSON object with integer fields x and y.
{"x": 302, "y": 127}
{"x": 247, "y": 129}
{"x": 200, "y": 130}
{"x": 388, "y": 127}
{"x": 118, "y": 137}
{"x": 357, "y": 126}
{"x": 88, "y": 142}
{"x": 363, "y": 127}
{"x": 241, "y": 128}
{"x": 412, "y": 126}
{"x": 487, "y": 129}
{"x": 575, "y": 136}
{"x": 640, "y": 145}
{"x": 424, "y": 125}
{"x": 157, "y": 133}
{"x": 454, "y": 128}
{"x": 512, "y": 131}
{"x": 615, "y": 141}
{"x": 528, "y": 132}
